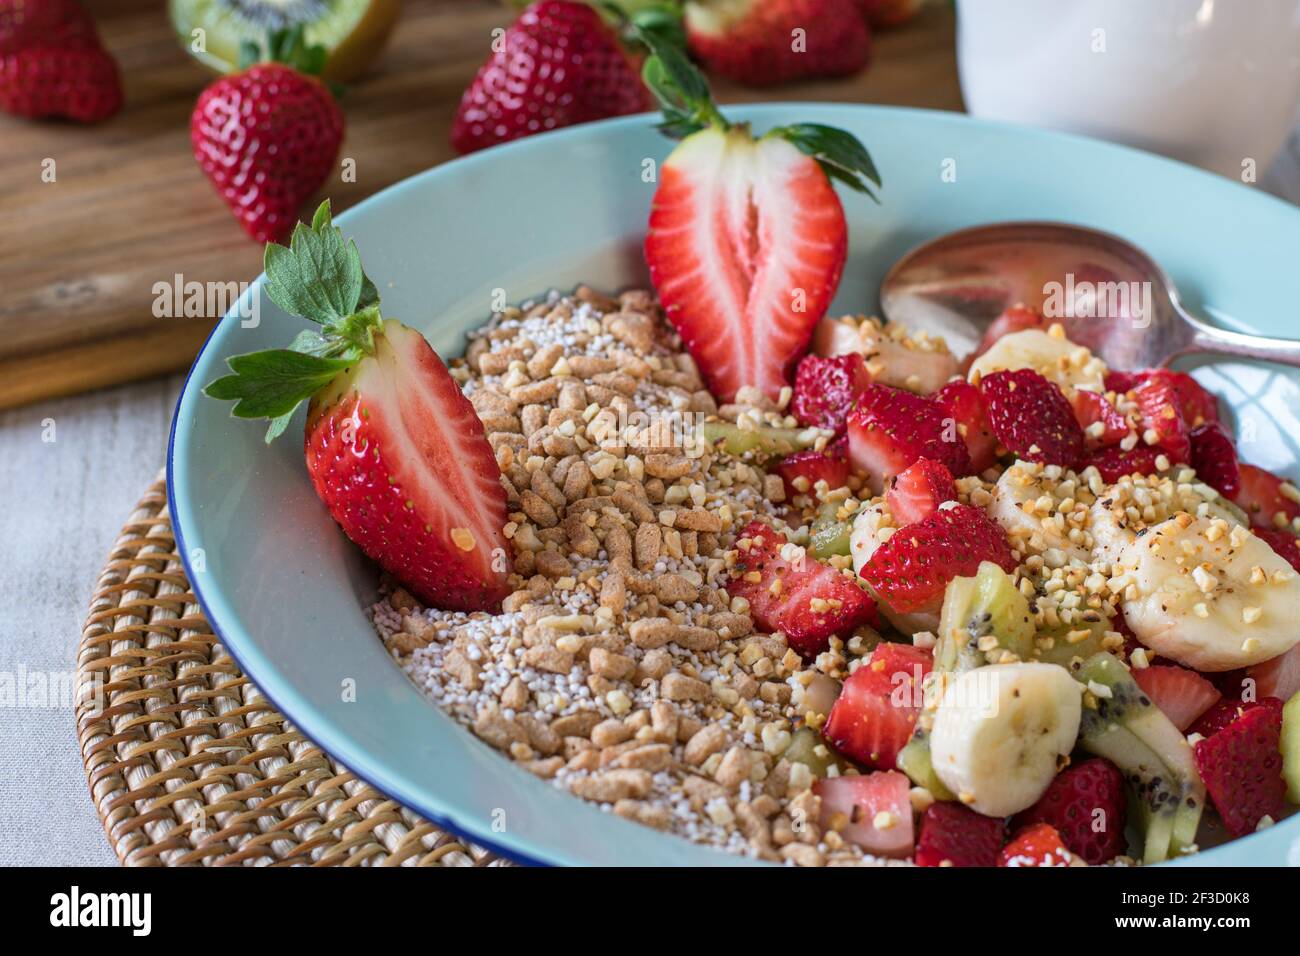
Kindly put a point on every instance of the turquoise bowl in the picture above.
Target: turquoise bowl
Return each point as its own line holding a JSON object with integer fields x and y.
{"x": 287, "y": 592}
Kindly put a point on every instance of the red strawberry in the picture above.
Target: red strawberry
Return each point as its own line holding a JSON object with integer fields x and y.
{"x": 1284, "y": 543}
{"x": 53, "y": 64}
{"x": 1182, "y": 695}
{"x": 1114, "y": 462}
{"x": 1269, "y": 500}
{"x": 811, "y": 467}
{"x": 1015, "y": 319}
{"x": 753, "y": 41}
{"x": 826, "y": 388}
{"x": 1031, "y": 417}
{"x": 912, "y": 569}
{"x": 964, "y": 404}
{"x": 919, "y": 490}
{"x": 1279, "y": 677}
{"x": 1159, "y": 412}
{"x": 1215, "y": 458}
{"x": 1224, "y": 713}
{"x": 889, "y": 429}
{"x": 393, "y": 447}
{"x": 872, "y": 810}
{"x": 807, "y": 600}
{"x": 267, "y": 139}
{"x": 1194, "y": 404}
{"x": 1036, "y": 845}
{"x": 557, "y": 65}
{"x": 954, "y": 835}
{"x": 1121, "y": 382}
{"x": 873, "y": 718}
{"x": 1085, "y": 803}
{"x": 1092, "y": 408}
{"x": 1241, "y": 766}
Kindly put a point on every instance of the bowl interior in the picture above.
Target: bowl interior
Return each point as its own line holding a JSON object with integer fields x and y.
{"x": 287, "y": 592}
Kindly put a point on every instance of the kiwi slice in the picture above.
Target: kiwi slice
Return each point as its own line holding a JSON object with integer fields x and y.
{"x": 764, "y": 440}
{"x": 987, "y": 605}
{"x": 830, "y": 535}
{"x": 1290, "y": 747}
{"x": 351, "y": 31}
{"x": 809, "y": 748}
{"x": 914, "y": 760}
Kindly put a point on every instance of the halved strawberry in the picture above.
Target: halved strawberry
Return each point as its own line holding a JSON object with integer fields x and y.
{"x": 1182, "y": 695}
{"x": 1284, "y": 543}
{"x": 1015, "y": 319}
{"x": 791, "y": 591}
{"x": 1214, "y": 457}
{"x": 889, "y": 429}
{"x": 919, "y": 490}
{"x": 1241, "y": 766}
{"x": 872, "y": 810}
{"x": 1159, "y": 411}
{"x": 912, "y": 569}
{"x": 1032, "y": 418}
{"x": 1114, "y": 462}
{"x": 826, "y": 388}
{"x": 1085, "y": 803}
{"x": 954, "y": 835}
{"x": 394, "y": 449}
{"x": 963, "y": 403}
{"x": 1271, "y": 502}
{"x": 1279, "y": 677}
{"x": 801, "y": 471}
{"x": 1101, "y": 421}
{"x": 747, "y": 237}
{"x": 1036, "y": 845}
{"x": 1225, "y": 712}
{"x": 876, "y": 712}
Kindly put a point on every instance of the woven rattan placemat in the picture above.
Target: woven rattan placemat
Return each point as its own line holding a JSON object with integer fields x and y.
{"x": 188, "y": 763}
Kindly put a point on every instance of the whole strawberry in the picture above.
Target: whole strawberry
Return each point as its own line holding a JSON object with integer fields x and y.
{"x": 557, "y": 65}
{"x": 765, "y": 42}
{"x": 52, "y": 63}
{"x": 267, "y": 137}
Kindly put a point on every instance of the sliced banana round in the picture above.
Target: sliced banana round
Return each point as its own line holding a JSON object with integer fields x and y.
{"x": 1041, "y": 513}
{"x": 1002, "y": 732}
{"x": 1209, "y": 595}
{"x": 1054, "y": 357}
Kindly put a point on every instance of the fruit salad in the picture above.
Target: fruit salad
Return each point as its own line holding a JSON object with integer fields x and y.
{"x": 811, "y": 589}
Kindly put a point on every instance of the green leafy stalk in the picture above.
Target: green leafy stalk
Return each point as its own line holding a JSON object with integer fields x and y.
{"x": 319, "y": 277}
{"x": 288, "y": 46}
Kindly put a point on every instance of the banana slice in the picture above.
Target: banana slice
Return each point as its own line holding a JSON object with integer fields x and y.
{"x": 1001, "y": 733}
{"x": 1053, "y": 356}
{"x": 1044, "y": 511}
{"x": 1208, "y": 594}
{"x": 894, "y": 355}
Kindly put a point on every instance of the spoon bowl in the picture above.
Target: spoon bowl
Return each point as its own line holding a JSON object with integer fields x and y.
{"x": 1107, "y": 293}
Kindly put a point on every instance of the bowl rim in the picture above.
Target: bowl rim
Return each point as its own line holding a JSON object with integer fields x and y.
{"x": 318, "y": 729}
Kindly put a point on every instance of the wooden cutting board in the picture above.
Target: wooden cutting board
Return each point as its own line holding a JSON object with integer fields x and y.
{"x": 82, "y": 256}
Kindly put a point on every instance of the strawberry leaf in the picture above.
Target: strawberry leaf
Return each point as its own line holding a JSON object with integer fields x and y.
{"x": 840, "y": 154}
{"x": 319, "y": 275}
{"x": 680, "y": 88}
{"x": 271, "y": 384}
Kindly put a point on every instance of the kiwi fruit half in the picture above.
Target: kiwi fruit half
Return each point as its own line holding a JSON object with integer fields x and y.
{"x": 351, "y": 31}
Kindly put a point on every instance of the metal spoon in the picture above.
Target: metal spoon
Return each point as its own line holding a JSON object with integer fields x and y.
{"x": 1109, "y": 295}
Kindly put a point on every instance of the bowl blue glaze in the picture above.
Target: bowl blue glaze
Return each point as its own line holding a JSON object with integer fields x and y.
{"x": 286, "y": 591}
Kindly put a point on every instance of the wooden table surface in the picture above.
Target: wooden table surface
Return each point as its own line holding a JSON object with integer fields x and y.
{"x": 80, "y": 256}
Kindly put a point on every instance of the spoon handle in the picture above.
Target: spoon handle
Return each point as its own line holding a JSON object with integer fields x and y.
{"x": 1207, "y": 338}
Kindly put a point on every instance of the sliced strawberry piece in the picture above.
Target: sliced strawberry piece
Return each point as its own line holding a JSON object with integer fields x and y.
{"x": 1015, "y": 319}
{"x": 1214, "y": 457}
{"x": 801, "y": 471}
{"x": 954, "y": 835}
{"x": 1114, "y": 462}
{"x": 826, "y": 388}
{"x": 873, "y": 718}
{"x": 912, "y": 569}
{"x": 1036, "y": 845}
{"x": 746, "y": 245}
{"x": 796, "y": 594}
{"x": 964, "y": 404}
{"x": 1270, "y": 501}
{"x": 1159, "y": 412}
{"x": 1284, "y": 543}
{"x": 919, "y": 490}
{"x": 1101, "y": 421}
{"x": 1241, "y": 766}
{"x": 889, "y": 429}
{"x": 1193, "y": 403}
{"x": 1086, "y": 804}
{"x": 1182, "y": 695}
{"x": 872, "y": 810}
{"x": 1031, "y": 417}
{"x": 1279, "y": 677}
{"x": 1121, "y": 382}
{"x": 398, "y": 455}
{"x": 1225, "y": 712}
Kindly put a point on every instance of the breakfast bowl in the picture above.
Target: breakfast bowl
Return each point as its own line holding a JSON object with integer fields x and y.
{"x": 288, "y": 594}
